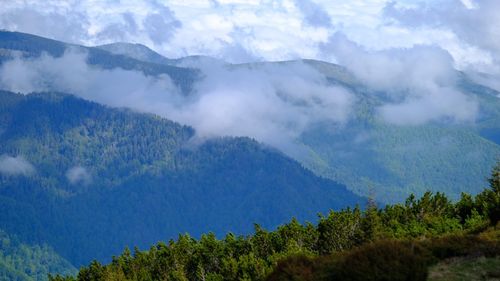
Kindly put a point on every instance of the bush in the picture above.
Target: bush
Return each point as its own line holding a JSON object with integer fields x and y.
{"x": 461, "y": 245}
{"x": 383, "y": 260}
{"x": 297, "y": 268}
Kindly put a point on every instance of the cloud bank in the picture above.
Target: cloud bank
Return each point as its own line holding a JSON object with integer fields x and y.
{"x": 258, "y": 30}
{"x": 271, "y": 103}
{"x": 15, "y": 166}
{"x": 419, "y": 84}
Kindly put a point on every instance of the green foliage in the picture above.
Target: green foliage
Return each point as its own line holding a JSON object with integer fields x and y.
{"x": 339, "y": 231}
{"x": 150, "y": 181}
{"x": 19, "y": 261}
{"x": 383, "y": 260}
{"x": 397, "y": 242}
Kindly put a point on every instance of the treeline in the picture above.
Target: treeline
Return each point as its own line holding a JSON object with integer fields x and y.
{"x": 406, "y": 237}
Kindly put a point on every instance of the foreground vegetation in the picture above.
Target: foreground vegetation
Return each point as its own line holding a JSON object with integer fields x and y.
{"x": 396, "y": 242}
{"x": 466, "y": 269}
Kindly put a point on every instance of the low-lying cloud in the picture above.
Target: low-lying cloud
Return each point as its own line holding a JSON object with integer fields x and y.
{"x": 70, "y": 73}
{"x": 79, "y": 175}
{"x": 419, "y": 84}
{"x": 271, "y": 103}
{"x": 15, "y": 166}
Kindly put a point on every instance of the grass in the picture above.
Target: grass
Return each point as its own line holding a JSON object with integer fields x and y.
{"x": 466, "y": 269}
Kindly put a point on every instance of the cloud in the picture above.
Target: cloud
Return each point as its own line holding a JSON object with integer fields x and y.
{"x": 15, "y": 166}
{"x": 243, "y": 31}
{"x": 160, "y": 24}
{"x": 314, "y": 14}
{"x": 475, "y": 22}
{"x": 419, "y": 83}
{"x": 70, "y": 73}
{"x": 79, "y": 175}
{"x": 88, "y": 22}
{"x": 476, "y": 25}
{"x": 271, "y": 103}
{"x": 54, "y": 24}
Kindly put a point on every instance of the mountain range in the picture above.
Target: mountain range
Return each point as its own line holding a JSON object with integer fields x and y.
{"x": 90, "y": 179}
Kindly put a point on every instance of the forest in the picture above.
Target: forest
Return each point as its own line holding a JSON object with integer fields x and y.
{"x": 392, "y": 242}
{"x": 145, "y": 179}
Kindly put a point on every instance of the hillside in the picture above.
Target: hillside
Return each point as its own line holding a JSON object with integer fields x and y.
{"x": 371, "y": 156}
{"x": 427, "y": 238}
{"x": 136, "y": 51}
{"x": 366, "y": 154}
{"x": 105, "y": 178}
{"x": 32, "y": 46}
{"x": 22, "y": 262}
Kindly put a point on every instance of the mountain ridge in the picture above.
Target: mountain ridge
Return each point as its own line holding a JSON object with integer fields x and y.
{"x": 145, "y": 175}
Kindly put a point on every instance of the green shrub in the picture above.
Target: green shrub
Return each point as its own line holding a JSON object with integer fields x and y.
{"x": 296, "y": 268}
{"x": 461, "y": 245}
{"x": 383, "y": 260}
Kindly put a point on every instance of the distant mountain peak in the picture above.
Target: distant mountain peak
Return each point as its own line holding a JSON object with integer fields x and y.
{"x": 136, "y": 51}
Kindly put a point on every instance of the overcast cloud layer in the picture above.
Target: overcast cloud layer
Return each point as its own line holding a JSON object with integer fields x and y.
{"x": 243, "y": 30}
{"x": 407, "y": 50}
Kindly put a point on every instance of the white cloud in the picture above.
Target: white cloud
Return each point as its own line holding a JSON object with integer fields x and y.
{"x": 273, "y": 104}
{"x": 474, "y": 23}
{"x": 387, "y": 35}
{"x": 267, "y": 29}
{"x": 420, "y": 83}
{"x": 313, "y": 13}
{"x": 240, "y": 31}
{"x": 79, "y": 175}
{"x": 15, "y": 166}
{"x": 70, "y": 73}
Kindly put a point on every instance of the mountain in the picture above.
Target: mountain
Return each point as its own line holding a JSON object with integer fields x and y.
{"x": 145, "y": 54}
{"x": 30, "y": 46}
{"x": 105, "y": 178}
{"x": 389, "y": 162}
{"x": 136, "y": 51}
{"x": 367, "y": 154}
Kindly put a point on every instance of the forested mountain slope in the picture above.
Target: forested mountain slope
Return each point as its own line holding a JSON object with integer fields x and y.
{"x": 22, "y": 262}
{"x": 104, "y": 178}
{"x": 389, "y": 161}
{"x": 367, "y": 154}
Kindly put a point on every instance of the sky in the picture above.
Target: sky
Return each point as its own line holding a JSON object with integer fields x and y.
{"x": 248, "y": 30}
{"x": 409, "y": 50}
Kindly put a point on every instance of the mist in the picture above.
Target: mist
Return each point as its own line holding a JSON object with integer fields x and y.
{"x": 419, "y": 84}
{"x": 270, "y": 103}
{"x": 79, "y": 175}
{"x": 15, "y": 166}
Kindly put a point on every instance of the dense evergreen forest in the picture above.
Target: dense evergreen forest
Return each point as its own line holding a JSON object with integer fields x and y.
{"x": 143, "y": 180}
{"x": 23, "y": 262}
{"x": 395, "y": 242}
